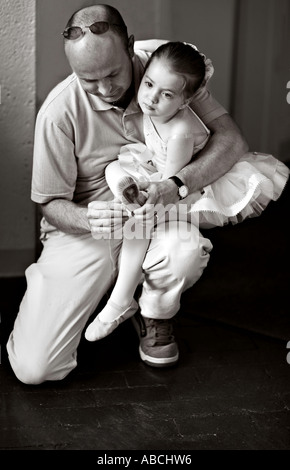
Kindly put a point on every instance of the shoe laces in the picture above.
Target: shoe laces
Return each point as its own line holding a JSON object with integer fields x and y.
{"x": 163, "y": 330}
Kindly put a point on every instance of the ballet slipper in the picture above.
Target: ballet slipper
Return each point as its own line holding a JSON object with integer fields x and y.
{"x": 99, "y": 329}
{"x": 129, "y": 193}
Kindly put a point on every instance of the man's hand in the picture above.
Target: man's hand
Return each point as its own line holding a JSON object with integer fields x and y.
{"x": 106, "y": 219}
{"x": 160, "y": 193}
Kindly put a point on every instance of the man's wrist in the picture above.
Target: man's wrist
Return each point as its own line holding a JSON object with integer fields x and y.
{"x": 182, "y": 189}
{"x": 173, "y": 190}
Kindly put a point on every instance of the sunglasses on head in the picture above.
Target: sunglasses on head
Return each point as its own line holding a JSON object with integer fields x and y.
{"x": 99, "y": 27}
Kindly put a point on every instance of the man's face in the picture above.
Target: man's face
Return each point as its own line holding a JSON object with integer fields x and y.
{"x": 103, "y": 66}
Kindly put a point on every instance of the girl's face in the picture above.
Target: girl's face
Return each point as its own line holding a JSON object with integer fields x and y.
{"x": 160, "y": 93}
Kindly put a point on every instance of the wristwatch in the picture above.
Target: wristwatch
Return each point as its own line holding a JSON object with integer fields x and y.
{"x": 182, "y": 188}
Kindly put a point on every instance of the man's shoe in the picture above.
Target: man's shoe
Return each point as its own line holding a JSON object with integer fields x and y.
{"x": 158, "y": 347}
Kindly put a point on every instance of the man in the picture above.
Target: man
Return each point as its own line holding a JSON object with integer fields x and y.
{"x": 80, "y": 128}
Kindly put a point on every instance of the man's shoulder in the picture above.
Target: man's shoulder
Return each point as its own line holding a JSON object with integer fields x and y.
{"x": 61, "y": 96}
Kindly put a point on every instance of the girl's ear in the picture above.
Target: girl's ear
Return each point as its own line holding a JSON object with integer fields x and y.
{"x": 131, "y": 45}
{"x": 186, "y": 103}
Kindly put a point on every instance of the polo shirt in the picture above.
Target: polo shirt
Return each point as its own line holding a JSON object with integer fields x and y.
{"x": 77, "y": 135}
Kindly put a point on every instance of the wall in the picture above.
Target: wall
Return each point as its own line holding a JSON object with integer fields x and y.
{"x": 262, "y": 74}
{"x": 17, "y": 115}
{"x": 210, "y": 25}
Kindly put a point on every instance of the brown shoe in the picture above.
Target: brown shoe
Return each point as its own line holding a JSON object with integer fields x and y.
{"x": 158, "y": 347}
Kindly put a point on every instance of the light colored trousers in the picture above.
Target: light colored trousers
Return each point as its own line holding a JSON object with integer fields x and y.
{"x": 70, "y": 278}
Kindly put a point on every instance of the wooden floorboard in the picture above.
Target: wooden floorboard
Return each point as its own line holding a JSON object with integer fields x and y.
{"x": 229, "y": 393}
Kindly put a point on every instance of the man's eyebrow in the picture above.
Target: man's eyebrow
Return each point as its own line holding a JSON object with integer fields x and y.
{"x": 95, "y": 79}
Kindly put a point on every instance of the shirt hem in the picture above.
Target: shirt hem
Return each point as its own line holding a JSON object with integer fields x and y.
{"x": 42, "y": 199}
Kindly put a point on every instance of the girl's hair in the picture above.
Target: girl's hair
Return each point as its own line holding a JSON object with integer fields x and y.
{"x": 183, "y": 60}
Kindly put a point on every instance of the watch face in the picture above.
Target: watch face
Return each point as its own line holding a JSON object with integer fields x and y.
{"x": 183, "y": 191}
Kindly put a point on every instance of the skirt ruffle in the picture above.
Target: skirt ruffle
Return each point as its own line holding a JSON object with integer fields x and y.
{"x": 136, "y": 160}
{"x": 243, "y": 192}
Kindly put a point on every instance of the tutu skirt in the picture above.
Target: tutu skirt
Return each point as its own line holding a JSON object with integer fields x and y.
{"x": 243, "y": 192}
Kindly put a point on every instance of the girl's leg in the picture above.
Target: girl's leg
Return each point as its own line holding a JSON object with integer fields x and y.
{"x": 121, "y": 304}
{"x": 114, "y": 172}
{"x": 130, "y": 270}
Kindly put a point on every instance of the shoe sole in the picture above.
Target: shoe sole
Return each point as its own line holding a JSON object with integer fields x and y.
{"x": 158, "y": 361}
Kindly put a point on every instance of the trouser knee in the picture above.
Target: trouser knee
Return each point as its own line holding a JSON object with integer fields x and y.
{"x": 174, "y": 262}
{"x": 29, "y": 371}
{"x": 188, "y": 253}
{"x": 34, "y": 368}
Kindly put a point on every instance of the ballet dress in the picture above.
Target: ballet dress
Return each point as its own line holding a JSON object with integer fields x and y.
{"x": 243, "y": 192}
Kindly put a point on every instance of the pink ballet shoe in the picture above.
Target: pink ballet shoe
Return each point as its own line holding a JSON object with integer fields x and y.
{"x": 99, "y": 329}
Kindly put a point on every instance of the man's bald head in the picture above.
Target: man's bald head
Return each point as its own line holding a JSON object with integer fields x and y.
{"x": 102, "y": 62}
{"x": 89, "y": 15}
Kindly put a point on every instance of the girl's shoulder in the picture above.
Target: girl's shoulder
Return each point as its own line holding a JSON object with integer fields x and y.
{"x": 186, "y": 122}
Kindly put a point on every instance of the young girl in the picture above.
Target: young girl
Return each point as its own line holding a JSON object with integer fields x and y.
{"x": 173, "y": 134}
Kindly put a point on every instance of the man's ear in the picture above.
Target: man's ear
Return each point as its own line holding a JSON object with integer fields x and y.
{"x": 131, "y": 41}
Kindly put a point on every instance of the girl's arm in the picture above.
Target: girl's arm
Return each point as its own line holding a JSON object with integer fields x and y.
{"x": 149, "y": 45}
{"x": 179, "y": 154}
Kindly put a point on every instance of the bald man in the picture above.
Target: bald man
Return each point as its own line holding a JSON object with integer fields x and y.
{"x": 80, "y": 129}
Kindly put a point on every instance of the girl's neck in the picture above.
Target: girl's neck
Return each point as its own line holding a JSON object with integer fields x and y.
{"x": 161, "y": 120}
{"x": 164, "y": 126}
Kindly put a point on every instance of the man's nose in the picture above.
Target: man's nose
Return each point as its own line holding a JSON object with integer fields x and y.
{"x": 104, "y": 87}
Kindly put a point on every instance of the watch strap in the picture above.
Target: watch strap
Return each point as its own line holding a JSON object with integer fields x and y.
{"x": 177, "y": 181}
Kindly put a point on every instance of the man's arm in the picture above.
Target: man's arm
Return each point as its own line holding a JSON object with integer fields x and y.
{"x": 99, "y": 217}
{"x": 149, "y": 45}
{"x": 66, "y": 216}
{"x": 225, "y": 147}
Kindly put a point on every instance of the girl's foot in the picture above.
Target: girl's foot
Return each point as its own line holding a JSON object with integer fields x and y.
{"x": 129, "y": 193}
{"x": 102, "y": 326}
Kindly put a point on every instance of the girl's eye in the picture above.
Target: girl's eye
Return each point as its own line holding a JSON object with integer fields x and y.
{"x": 167, "y": 96}
{"x": 148, "y": 84}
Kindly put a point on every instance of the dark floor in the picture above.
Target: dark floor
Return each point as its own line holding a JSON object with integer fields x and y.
{"x": 230, "y": 390}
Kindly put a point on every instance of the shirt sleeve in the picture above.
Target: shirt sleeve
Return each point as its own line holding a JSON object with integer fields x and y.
{"x": 54, "y": 164}
{"x": 206, "y": 106}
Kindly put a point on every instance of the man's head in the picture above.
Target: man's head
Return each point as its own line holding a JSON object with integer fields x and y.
{"x": 102, "y": 62}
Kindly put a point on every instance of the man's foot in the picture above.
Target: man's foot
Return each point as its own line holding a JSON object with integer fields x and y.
{"x": 102, "y": 325}
{"x": 158, "y": 347}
